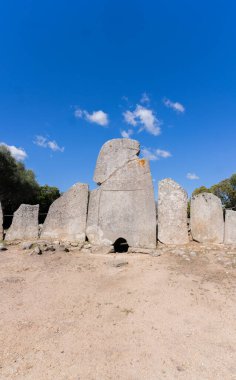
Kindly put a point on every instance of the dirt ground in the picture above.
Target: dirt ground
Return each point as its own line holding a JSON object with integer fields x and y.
{"x": 80, "y": 316}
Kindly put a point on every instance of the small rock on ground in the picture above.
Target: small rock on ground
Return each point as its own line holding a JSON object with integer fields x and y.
{"x": 118, "y": 264}
{"x": 27, "y": 245}
{"x": 3, "y": 247}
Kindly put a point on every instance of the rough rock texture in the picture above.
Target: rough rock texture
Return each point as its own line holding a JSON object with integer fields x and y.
{"x": 1, "y": 222}
{"x": 113, "y": 155}
{"x": 124, "y": 205}
{"x": 207, "y": 223}
{"x": 172, "y": 213}
{"x": 24, "y": 224}
{"x": 230, "y": 227}
{"x": 66, "y": 219}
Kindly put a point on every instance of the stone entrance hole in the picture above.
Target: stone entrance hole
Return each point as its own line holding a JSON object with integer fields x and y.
{"x": 121, "y": 245}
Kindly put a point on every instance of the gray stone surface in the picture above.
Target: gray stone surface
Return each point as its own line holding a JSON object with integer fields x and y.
{"x": 1, "y": 222}
{"x": 66, "y": 219}
{"x": 124, "y": 205}
{"x": 24, "y": 224}
{"x": 206, "y": 219}
{"x": 113, "y": 155}
{"x": 172, "y": 213}
{"x": 230, "y": 227}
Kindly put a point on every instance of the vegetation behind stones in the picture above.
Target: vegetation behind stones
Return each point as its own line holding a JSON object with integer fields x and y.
{"x": 18, "y": 185}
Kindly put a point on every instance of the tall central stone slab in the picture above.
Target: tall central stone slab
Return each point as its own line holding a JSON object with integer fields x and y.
{"x": 124, "y": 205}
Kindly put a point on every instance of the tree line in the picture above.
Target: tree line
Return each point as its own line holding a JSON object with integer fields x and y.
{"x": 18, "y": 185}
{"x": 225, "y": 190}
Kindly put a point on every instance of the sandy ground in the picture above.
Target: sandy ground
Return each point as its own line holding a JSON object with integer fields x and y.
{"x": 77, "y": 316}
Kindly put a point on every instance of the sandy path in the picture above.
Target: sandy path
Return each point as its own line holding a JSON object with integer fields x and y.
{"x": 75, "y": 316}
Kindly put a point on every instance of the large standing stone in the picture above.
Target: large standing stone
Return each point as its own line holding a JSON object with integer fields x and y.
{"x": 66, "y": 219}
{"x": 25, "y": 223}
{"x": 124, "y": 205}
{"x": 1, "y": 222}
{"x": 172, "y": 213}
{"x": 207, "y": 222}
{"x": 230, "y": 227}
{"x": 113, "y": 155}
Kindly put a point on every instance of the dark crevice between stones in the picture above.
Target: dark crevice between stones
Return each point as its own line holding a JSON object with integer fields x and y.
{"x": 121, "y": 245}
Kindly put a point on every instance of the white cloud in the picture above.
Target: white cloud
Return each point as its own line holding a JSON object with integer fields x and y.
{"x": 45, "y": 143}
{"x": 145, "y": 98}
{"x": 176, "y": 106}
{"x": 97, "y": 117}
{"x": 130, "y": 118}
{"x": 79, "y": 113}
{"x": 163, "y": 153}
{"x": 18, "y": 153}
{"x": 145, "y": 118}
{"x": 127, "y": 134}
{"x": 192, "y": 176}
{"x": 154, "y": 154}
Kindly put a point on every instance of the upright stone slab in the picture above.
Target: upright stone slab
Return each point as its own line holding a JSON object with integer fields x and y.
{"x": 66, "y": 219}
{"x": 172, "y": 213}
{"x": 1, "y": 222}
{"x": 113, "y": 155}
{"x": 25, "y": 223}
{"x": 206, "y": 220}
{"x": 230, "y": 227}
{"x": 124, "y": 205}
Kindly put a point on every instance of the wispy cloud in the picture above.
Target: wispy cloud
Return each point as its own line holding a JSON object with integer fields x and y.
{"x": 97, "y": 117}
{"x": 154, "y": 154}
{"x": 176, "y": 106}
{"x": 145, "y": 118}
{"x": 18, "y": 153}
{"x": 44, "y": 142}
{"x": 127, "y": 134}
{"x": 125, "y": 98}
{"x": 145, "y": 98}
{"x": 192, "y": 176}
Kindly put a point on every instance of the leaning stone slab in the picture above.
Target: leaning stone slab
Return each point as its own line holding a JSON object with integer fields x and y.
{"x": 230, "y": 227}
{"x": 1, "y": 222}
{"x": 172, "y": 213}
{"x": 66, "y": 219}
{"x": 124, "y": 205}
{"x": 25, "y": 223}
{"x": 206, "y": 221}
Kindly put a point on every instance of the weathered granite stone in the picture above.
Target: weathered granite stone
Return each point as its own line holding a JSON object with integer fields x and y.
{"x": 66, "y": 219}
{"x": 230, "y": 227}
{"x": 113, "y": 155}
{"x": 124, "y": 205}
{"x": 1, "y": 222}
{"x": 206, "y": 220}
{"x": 25, "y": 223}
{"x": 172, "y": 213}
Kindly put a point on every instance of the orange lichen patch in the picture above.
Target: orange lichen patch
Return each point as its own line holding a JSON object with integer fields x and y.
{"x": 142, "y": 162}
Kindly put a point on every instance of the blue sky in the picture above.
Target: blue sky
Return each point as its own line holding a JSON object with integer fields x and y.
{"x": 74, "y": 74}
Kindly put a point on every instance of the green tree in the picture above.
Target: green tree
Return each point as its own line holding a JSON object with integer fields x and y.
{"x": 18, "y": 185}
{"x": 46, "y": 196}
{"x": 201, "y": 189}
{"x": 225, "y": 190}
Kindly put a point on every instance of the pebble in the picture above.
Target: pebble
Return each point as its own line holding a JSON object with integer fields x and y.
{"x": 3, "y": 247}
{"x": 27, "y": 245}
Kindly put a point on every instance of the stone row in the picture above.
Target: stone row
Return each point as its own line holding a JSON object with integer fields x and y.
{"x": 123, "y": 208}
